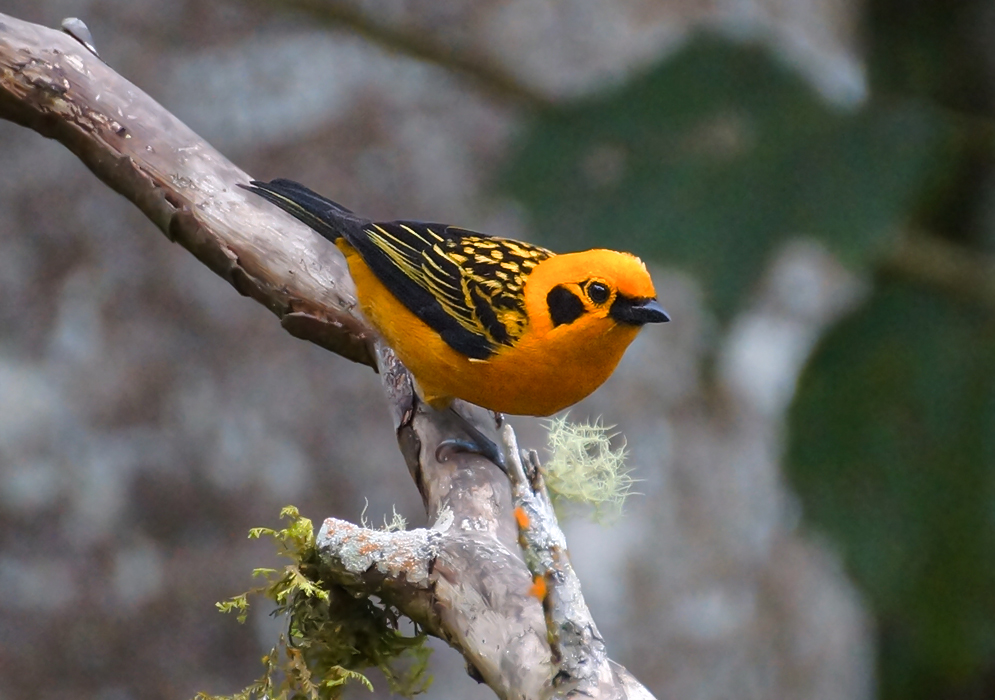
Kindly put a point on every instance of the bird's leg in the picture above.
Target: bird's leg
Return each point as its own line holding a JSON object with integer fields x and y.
{"x": 478, "y": 444}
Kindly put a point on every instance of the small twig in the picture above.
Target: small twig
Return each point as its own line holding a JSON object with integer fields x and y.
{"x": 419, "y": 44}
{"x": 953, "y": 269}
{"x": 394, "y": 566}
{"x": 578, "y": 650}
{"x": 397, "y": 555}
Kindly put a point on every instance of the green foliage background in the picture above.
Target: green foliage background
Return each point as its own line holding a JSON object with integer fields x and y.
{"x": 715, "y": 157}
{"x": 719, "y": 154}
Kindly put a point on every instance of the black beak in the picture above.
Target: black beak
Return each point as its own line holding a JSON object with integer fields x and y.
{"x": 637, "y": 311}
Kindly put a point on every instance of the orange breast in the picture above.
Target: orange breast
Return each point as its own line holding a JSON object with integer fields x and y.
{"x": 547, "y": 370}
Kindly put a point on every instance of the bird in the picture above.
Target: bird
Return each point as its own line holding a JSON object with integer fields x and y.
{"x": 500, "y": 323}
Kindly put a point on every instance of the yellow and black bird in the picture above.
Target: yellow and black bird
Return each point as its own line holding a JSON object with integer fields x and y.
{"x": 496, "y": 322}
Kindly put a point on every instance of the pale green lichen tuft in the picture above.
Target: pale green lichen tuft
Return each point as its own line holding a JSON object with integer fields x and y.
{"x": 332, "y": 636}
{"x": 396, "y": 522}
{"x": 584, "y": 468}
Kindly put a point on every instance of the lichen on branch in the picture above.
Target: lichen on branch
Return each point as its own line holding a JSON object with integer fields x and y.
{"x": 586, "y": 469}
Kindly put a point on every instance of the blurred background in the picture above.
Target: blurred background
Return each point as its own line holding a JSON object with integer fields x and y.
{"x": 812, "y": 184}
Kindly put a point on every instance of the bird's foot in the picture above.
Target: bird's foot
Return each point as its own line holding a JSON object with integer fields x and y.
{"x": 478, "y": 445}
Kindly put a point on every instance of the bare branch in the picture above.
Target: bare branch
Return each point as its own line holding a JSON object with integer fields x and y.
{"x": 464, "y": 579}
{"x": 50, "y": 83}
{"x": 576, "y": 645}
{"x": 489, "y": 76}
{"x": 942, "y": 265}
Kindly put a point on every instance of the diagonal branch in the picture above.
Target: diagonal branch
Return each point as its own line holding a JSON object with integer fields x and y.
{"x": 464, "y": 580}
{"x": 52, "y": 84}
{"x": 474, "y": 65}
{"x": 950, "y": 268}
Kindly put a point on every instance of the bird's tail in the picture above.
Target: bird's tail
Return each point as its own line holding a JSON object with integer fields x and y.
{"x": 323, "y": 215}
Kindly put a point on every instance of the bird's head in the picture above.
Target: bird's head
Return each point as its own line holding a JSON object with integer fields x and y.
{"x": 595, "y": 290}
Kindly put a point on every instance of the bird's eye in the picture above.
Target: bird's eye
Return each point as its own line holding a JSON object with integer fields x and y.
{"x": 598, "y": 292}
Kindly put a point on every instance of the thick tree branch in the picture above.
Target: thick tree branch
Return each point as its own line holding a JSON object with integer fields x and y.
{"x": 480, "y": 594}
{"x": 464, "y": 579}
{"x": 50, "y": 83}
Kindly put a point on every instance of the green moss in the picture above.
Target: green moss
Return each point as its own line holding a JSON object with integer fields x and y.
{"x": 332, "y": 635}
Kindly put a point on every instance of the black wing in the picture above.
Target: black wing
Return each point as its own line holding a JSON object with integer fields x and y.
{"x": 467, "y": 286}
{"x": 330, "y": 219}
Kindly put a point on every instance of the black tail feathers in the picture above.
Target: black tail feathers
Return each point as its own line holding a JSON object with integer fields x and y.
{"x": 328, "y": 218}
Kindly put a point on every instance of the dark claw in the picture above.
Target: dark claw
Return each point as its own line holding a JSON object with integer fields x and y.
{"x": 477, "y": 444}
{"x": 447, "y": 447}
{"x": 481, "y": 446}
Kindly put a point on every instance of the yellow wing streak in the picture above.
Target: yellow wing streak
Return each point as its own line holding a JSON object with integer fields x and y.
{"x": 477, "y": 281}
{"x": 429, "y": 275}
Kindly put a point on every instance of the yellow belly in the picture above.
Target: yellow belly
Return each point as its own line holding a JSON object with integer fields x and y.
{"x": 539, "y": 375}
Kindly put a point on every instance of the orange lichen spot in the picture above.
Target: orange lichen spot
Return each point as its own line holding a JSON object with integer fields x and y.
{"x": 367, "y": 547}
{"x": 522, "y": 518}
{"x": 538, "y": 588}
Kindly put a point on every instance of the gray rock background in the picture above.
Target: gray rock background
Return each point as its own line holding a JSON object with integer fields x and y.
{"x": 149, "y": 416}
